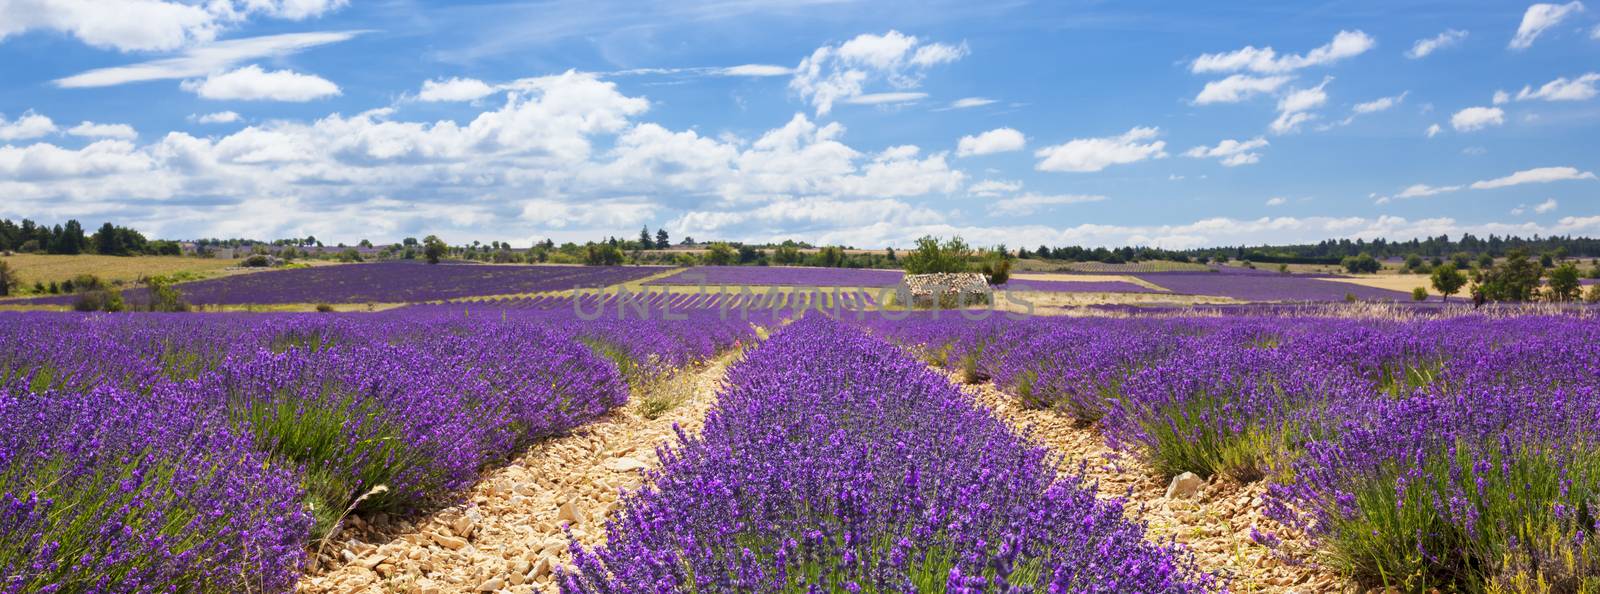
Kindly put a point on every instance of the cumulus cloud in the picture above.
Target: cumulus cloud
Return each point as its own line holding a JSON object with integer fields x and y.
{"x": 990, "y": 188}
{"x": 1231, "y": 152}
{"x": 1095, "y": 154}
{"x": 998, "y": 140}
{"x": 30, "y": 125}
{"x": 1030, "y": 203}
{"x": 1562, "y": 89}
{"x": 1239, "y": 87}
{"x": 1345, "y": 44}
{"x": 1294, "y": 108}
{"x": 1546, "y": 207}
{"x": 840, "y": 73}
{"x": 1477, "y": 118}
{"x": 205, "y": 59}
{"x": 454, "y": 89}
{"x": 221, "y": 117}
{"x": 93, "y": 130}
{"x": 1433, "y": 130}
{"x": 147, "y": 25}
{"x": 1539, "y": 18}
{"x": 1423, "y": 47}
{"x": 251, "y": 83}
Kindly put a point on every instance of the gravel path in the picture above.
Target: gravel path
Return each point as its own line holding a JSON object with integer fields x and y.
{"x": 507, "y": 536}
{"x": 1215, "y": 523}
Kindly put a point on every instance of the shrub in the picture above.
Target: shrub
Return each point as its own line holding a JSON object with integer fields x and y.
{"x": 1419, "y": 294}
{"x": 1593, "y": 294}
{"x": 1564, "y": 284}
{"x": 256, "y": 261}
{"x": 1447, "y": 279}
{"x": 932, "y": 256}
{"x": 107, "y": 300}
{"x": 324, "y": 308}
{"x": 1362, "y": 264}
{"x": 8, "y": 279}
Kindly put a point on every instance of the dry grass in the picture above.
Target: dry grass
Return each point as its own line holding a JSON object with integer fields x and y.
{"x": 1393, "y": 282}
{"x": 1087, "y": 278}
{"x": 32, "y": 268}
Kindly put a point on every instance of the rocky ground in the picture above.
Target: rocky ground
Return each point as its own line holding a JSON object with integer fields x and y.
{"x": 507, "y": 536}
{"x": 1212, "y": 519}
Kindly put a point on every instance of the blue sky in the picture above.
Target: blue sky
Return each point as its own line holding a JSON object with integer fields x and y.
{"x": 832, "y": 121}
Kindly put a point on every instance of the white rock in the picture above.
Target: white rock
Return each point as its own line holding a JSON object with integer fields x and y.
{"x": 1184, "y": 486}
{"x": 625, "y": 464}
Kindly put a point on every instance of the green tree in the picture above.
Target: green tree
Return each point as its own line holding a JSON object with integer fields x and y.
{"x": 1593, "y": 294}
{"x": 1362, "y": 264}
{"x": 1419, "y": 294}
{"x": 996, "y": 266}
{"x": 932, "y": 255}
{"x": 1448, "y": 280}
{"x": 1514, "y": 279}
{"x": 1462, "y": 260}
{"x": 164, "y": 297}
{"x": 890, "y": 256}
{"x": 1564, "y": 284}
{"x": 786, "y": 255}
{"x": 720, "y": 254}
{"x": 1414, "y": 263}
{"x": 1485, "y": 261}
{"x": 8, "y": 279}
{"x": 602, "y": 254}
{"x": 645, "y": 242}
{"x": 434, "y": 248}
{"x": 662, "y": 242}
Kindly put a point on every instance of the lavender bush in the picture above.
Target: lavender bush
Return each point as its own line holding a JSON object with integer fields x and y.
{"x": 833, "y": 463}
{"x": 1267, "y": 287}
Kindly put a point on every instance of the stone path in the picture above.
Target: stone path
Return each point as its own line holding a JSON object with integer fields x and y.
{"x": 1214, "y": 522}
{"x": 507, "y": 536}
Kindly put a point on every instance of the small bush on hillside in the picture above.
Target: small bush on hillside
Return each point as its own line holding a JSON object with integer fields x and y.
{"x": 1419, "y": 294}
{"x": 324, "y": 308}
{"x": 256, "y": 261}
{"x": 98, "y": 300}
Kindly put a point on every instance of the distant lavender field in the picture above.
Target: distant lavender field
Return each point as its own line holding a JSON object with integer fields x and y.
{"x": 390, "y": 282}
{"x": 1266, "y": 287}
{"x": 782, "y": 276}
{"x": 1018, "y": 284}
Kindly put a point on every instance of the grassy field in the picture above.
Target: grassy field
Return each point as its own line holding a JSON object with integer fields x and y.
{"x": 1393, "y": 282}
{"x": 32, "y": 268}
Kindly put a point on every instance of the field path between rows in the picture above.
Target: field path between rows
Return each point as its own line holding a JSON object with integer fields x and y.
{"x": 507, "y": 535}
{"x": 1214, "y": 524}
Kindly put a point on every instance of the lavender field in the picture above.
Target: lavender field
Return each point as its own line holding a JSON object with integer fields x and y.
{"x": 158, "y": 452}
{"x": 1264, "y": 286}
{"x": 1448, "y": 454}
{"x": 391, "y": 282}
{"x": 782, "y": 276}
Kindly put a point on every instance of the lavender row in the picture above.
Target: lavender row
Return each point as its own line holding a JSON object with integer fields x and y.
{"x": 1457, "y": 453}
{"x": 1021, "y": 284}
{"x": 211, "y": 448}
{"x": 796, "y": 276}
{"x": 834, "y": 463}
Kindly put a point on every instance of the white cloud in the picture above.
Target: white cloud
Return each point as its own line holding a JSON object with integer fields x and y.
{"x": 93, "y": 130}
{"x": 147, "y": 25}
{"x": 1095, "y": 154}
{"x": 969, "y": 102}
{"x": 1540, "y": 17}
{"x": 1231, "y": 152}
{"x": 1595, "y": 34}
{"x": 1424, "y": 190}
{"x": 30, "y": 125}
{"x": 1547, "y": 206}
{"x": 1277, "y": 201}
{"x": 1293, "y": 108}
{"x": 886, "y": 98}
{"x": 1501, "y": 97}
{"x": 1423, "y": 47}
{"x": 1538, "y": 175}
{"x": 1477, "y": 118}
{"x": 221, "y": 117}
{"x": 1030, "y": 203}
{"x": 1238, "y": 87}
{"x": 756, "y": 70}
{"x": 454, "y": 89}
{"x": 1433, "y": 130}
{"x": 998, "y": 140}
{"x": 205, "y": 59}
{"x": 840, "y": 73}
{"x": 993, "y": 188}
{"x": 1380, "y": 104}
{"x": 1562, "y": 89}
{"x": 251, "y": 83}
{"x": 1344, "y": 45}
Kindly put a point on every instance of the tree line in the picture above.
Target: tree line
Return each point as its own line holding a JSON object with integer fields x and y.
{"x": 69, "y": 239}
